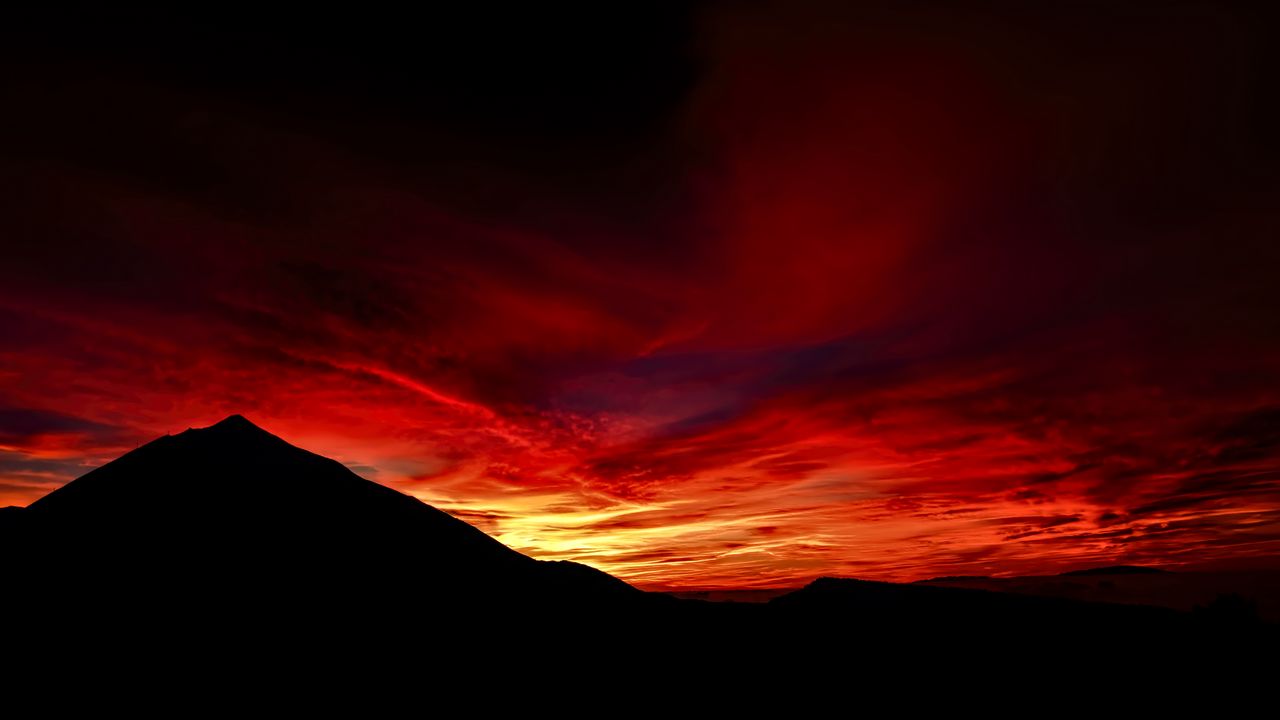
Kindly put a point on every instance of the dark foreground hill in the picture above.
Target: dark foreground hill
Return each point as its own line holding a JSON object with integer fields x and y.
{"x": 228, "y": 536}
{"x": 1221, "y": 593}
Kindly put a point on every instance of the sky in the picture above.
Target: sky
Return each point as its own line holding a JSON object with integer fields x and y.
{"x": 703, "y": 295}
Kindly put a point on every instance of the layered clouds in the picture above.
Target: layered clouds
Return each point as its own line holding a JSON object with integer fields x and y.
{"x": 849, "y": 292}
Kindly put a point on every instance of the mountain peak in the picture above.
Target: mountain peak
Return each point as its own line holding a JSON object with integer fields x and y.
{"x": 233, "y": 429}
{"x": 237, "y": 423}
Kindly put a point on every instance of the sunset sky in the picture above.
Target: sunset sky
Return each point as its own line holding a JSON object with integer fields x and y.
{"x": 703, "y": 295}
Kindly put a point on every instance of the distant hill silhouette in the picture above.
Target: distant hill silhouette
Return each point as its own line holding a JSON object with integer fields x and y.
{"x": 953, "y": 578}
{"x": 1114, "y": 570}
{"x": 946, "y": 608}
{"x": 1135, "y": 585}
{"x": 10, "y": 515}
{"x": 230, "y": 536}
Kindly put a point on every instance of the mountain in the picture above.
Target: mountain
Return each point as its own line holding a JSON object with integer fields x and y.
{"x": 234, "y": 518}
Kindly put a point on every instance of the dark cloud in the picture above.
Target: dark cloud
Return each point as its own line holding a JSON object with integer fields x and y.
{"x": 22, "y": 422}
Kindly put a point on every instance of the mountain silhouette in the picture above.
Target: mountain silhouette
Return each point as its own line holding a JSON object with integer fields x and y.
{"x": 233, "y": 517}
{"x": 234, "y": 486}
